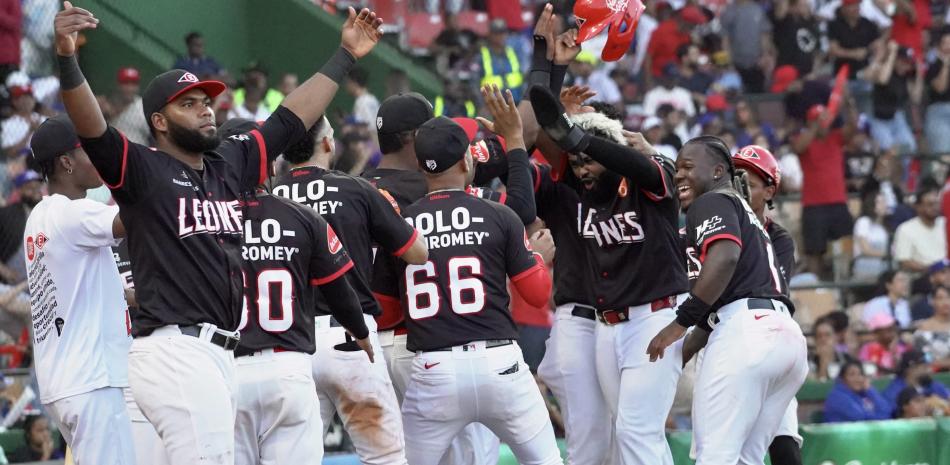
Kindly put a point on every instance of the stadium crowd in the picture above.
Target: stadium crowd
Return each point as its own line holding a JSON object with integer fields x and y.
{"x": 870, "y": 187}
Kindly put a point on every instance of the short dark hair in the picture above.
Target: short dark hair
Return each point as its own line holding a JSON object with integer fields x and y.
{"x": 924, "y": 190}
{"x": 303, "y": 149}
{"x": 359, "y": 76}
{"x": 192, "y": 36}
{"x": 391, "y": 143}
{"x": 905, "y": 397}
{"x": 886, "y": 278}
{"x": 868, "y": 200}
{"x": 607, "y": 110}
{"x": 28, "y": 423}
{"x": 849, "y": 364}
{"x": 664, "y": 110}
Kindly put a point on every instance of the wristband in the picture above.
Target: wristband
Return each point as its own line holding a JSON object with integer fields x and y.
{"x": 691, "y": 311}
{"x": 557, "y": 78}
{"x": 338, "y": 66}
{"x": 70, "y": 76}
{"x": 540, "y": 73}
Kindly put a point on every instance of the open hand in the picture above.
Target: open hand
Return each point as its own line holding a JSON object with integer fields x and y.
{"x": 504, "y": 112}
{"x": 573, "y": 99}
{"x": 361, "y": 32}
{"x": 667, "y": 336}
{"x": 67, "y": 25}
{"x": 566, "y": 47}
{"x": 545, "y": 28}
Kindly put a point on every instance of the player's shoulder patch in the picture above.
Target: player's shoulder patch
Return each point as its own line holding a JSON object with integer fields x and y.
{"x": 389, "y": 198}
{"x": 334, "y": 244}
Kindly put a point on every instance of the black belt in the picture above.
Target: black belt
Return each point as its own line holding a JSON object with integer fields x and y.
{"x": 760, "y": 304}
{"x": 489, "y": 344}
{"x": 218, "y": 339}
{"x": 584, "y": 312}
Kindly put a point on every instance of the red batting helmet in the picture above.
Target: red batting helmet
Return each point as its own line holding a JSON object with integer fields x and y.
{"x": 622, "y": 16}
{"x": 760, "y": 161}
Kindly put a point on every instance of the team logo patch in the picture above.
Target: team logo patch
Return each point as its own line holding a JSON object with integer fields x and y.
{"x": 379, "y": 122}
{"x": 709, "y": 226}
{"x": 479, "y": 151}
{"x": 617, "y": 5}
{"x": 188, "y": 77}
{"x": 749, "y": 152}
{"x": 431, "y": 164}
{"x": 333, "y": 242}
{"x": 623, "y": 189}
{"x": 240, "y": 137}
{"x": 390, "y": 199}
{"x": 30, "y": 249}
{"x": 41, "y": 240}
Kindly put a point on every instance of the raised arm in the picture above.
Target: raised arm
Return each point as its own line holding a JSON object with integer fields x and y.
{"x": 78, "y": 98}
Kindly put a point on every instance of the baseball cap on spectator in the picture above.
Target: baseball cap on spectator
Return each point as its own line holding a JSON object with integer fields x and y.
{"x": 171, "y": 84}
{"x": 716, "y": 102}
{"x": 881, "y": 321}
{"x": 127, "y": 75}
{"x": 55, "y": 137}
{"x": 25, "y": 177}
{"x": 440, "y": 144}
{"x": 814, "y": 112}
{"x": 498, "y": 25}
{"x": 17, "y": 91}
{"x": 784, "y": 76}
{"x": 403, "y": 112}
{"x": 693, "y": 15}
{"x": 850, "y": 2}
{"x": 650, "y": 123}
{"x": 939, "y": 266}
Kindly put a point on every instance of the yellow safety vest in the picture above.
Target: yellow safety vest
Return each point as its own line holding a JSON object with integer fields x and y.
{"x": 439, "y": 107}
{"x": 272, "y": 98}
{"x": 512, "y": 80}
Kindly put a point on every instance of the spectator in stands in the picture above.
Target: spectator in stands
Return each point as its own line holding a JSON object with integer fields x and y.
{"x": 911, "y": 19}
{"x": 850, "y": 37}
{"x": 365, "y": 104}
{"x": 694, "y": 72}
{"x": 859, "y": 161}
{"x": 933, "y": 334}
{"x": 795, "y": 34}
{"x": 585, "y": 71}
{"x": 674, "y": 126}
{"x": 453, "y": 45}
{"x": 910, "y": 404}
{"x": 886, "y": 349}
{"x": 747, "y": 34}
{"x": 456, "y": 101}
{"x": 255, "y": 100}
{"x": 938, "y": 275}
{"x": 845, "y": 337}
{"x": 828, "y": 358}
{"x": 894, "y": 287}
{"x": 748, "y": 127}
{"x": 11, "y": 21}
{"x": 938, "y": 88}
{"x": 922, "y": 241}
{"x": 125, "y": 108}
{"x": 871, "y": 239}
{"x": 668, "y": 37}
{"x": 196, "y": 61}
{"x": 18, "y": 128}
{"x": 288, "y": 83}
{"x": 500, "y": 64}
{"x": 29, "y": 185}
{"x": 854, "y": 399}
{"x": 895, "y": 85}
{"x": 825, "y": 214}
{"x": 669, "y": 92}
{"x": 914, "y": 372}
{"x": 39, "y": 442}
{"x": 654, "y": 132}
{"x": 882, "y": 179}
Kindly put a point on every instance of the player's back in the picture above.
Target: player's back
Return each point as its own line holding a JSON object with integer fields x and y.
{"x": 460, "y": 294}
{"x": 287, "y": 248}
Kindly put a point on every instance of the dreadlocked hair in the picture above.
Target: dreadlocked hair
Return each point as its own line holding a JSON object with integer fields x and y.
{"x": 717, "y": 147}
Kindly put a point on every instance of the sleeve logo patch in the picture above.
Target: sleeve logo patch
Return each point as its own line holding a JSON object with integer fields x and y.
{"x": 41, "y": 240}
{"x": 390, "y": 199}
{"x": 30, "y": 248}
{"x": 709, "y": 226}
{"x": 333, "y": 242}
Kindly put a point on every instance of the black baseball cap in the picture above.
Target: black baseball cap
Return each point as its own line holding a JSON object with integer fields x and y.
{"x": 55, "y": 137}
{"x": 440, "y": 144}
{"x": 403, "y": 112}
{"x": 169, "y": 85}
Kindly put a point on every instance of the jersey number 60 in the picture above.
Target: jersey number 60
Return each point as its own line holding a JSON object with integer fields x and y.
{"x": 423, "y": 296}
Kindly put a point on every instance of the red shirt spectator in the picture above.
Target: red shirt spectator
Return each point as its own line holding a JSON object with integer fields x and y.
{"x": 909, "y": 31}
{"x": 823, "y": 170}
{"x": 11, "y": 20}
{"x": 670, "y": 35}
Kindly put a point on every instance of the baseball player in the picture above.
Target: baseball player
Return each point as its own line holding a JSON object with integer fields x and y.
{"x": 180, "y": 203}
{"x": 80, "y": 317}
{"x": 347, "y": 383}
{"x": 287, "y": 249}
{"x": 625, "y": 218}
{"x": 739, "y": 277}
{"x": 468, "y": 368}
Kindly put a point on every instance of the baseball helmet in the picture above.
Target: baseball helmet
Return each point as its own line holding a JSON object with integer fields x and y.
{"x": 760, "y": 161}
{"x": 621, "y": 16}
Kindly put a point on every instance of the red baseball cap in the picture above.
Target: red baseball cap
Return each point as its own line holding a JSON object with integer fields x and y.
{"x": 716, "y": 102}
{"x": 127, "y": 75}
{"x": 784, "y": 76}
{"x": 693, "y": 15}
{"x": 16, "y": 91}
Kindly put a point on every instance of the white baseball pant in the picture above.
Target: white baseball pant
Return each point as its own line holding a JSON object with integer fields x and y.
{"x": 475, "y": 444}
{"x": 186, "y": 388}
{"x": 96, "y": 426}
{"x": 755, "y": 362}
{"x": 148, "y": 446}
{"x": 361, "y": 392}
{"x": 471, "y": 383}
{"x": 639, "y": 393}
{"x": 789, "y": 423}
{"x": 569, "y": 369}
{"x": 278, "y": 416}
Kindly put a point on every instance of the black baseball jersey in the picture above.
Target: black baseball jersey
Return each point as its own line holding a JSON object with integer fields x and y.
{"x": 720, "y": 216}
{"x": 359, "y": 213}
{"x": 404, "y": 186}
{"x": 615, "y": 252}
{"x": 460, "y": 295}
{"x": 287, "y": 249}
{"x": 784, "y": 247}
{"x": 122, "y": 261}
{"x": 184, "y": 226}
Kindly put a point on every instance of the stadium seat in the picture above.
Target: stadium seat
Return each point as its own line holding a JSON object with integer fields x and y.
{"x": 393, "y": 12}
{"x": 475, "y": 21}
{"x": 812, "y": 304}
{"x": 422, "y": 29}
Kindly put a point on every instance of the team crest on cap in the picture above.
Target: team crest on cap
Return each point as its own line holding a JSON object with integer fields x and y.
{"x": 333, "y": 242}
{"x": 749, "y": 152}
{"x": 379, "y": 122}
{"x": 431, "y": 164}
{"x": 188, "y": 77}
{"x": 617, "y": 5}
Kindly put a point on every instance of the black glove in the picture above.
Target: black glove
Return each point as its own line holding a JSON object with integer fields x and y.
{"x": 550, "y": 115}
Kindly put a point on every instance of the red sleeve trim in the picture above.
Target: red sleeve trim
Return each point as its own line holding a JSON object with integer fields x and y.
{"x": 652, "y": 196}
{"x": 537, "y": 177}
{"x": 332, "y": 277}
{"x": 709, "y": 242}
{"x": 502, "y": 198}
{"x": 405, "y": 247}
{"x": 538, "y": 265}
{"x": 383, "y": 298}
{"x": 125, "y": 158}
{"x": 262, "y": 152}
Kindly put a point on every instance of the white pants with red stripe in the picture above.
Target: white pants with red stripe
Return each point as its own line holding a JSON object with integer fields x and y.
{"x": 278, "y": 415}
{"x": 639, "y": 393}
{"x": 754, "y": 363}
{"x": 359, "y": 391}
{"x": 450, "y": 389}
{"x": 569, "y": 369}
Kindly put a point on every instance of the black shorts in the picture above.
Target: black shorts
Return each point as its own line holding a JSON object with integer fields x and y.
{"x": 822, "y": 224}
